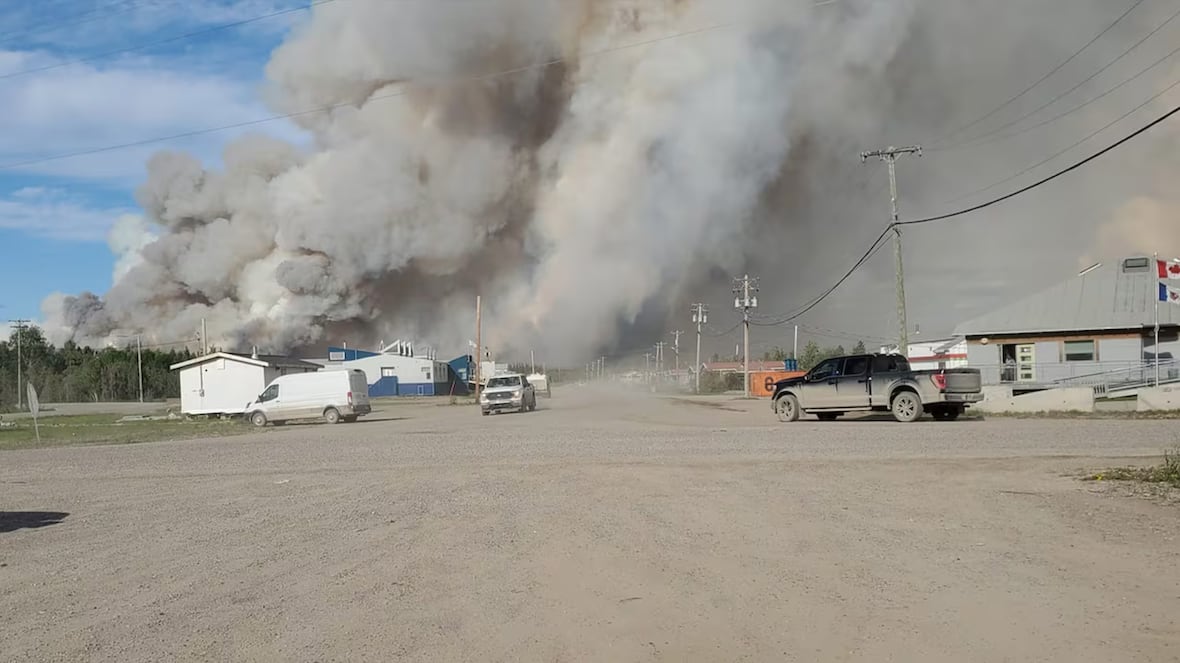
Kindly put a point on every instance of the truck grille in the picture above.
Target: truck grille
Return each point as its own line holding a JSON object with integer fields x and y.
{"x": 499, "y": 396}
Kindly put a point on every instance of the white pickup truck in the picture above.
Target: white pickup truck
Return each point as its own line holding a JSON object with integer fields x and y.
{"x": 507, "y": 392}
{"x": 877, "y": 382}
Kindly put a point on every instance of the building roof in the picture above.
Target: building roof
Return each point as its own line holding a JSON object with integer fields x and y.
{"x": 263, "y": 361}
{"x": 1117, "y": 296}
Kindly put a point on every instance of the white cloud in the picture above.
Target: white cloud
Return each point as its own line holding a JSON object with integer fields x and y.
{"x": 79, "y": 107}
{"x": 56, "y": 214}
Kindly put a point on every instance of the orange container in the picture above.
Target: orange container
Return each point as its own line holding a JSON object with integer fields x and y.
{"x": 762, "y": 382}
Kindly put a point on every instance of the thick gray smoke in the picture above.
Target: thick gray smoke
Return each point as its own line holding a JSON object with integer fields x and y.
{"x": 586, "y": 200}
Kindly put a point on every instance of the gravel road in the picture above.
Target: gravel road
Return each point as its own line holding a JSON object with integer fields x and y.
{"x": 597, "y": 528}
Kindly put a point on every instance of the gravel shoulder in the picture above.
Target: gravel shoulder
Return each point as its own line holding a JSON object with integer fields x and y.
{"x": 597, "y": 528}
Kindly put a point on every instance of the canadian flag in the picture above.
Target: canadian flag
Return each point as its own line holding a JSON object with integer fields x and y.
{"x": 1168, "y": 269}
{"x": 1169, "y": 294}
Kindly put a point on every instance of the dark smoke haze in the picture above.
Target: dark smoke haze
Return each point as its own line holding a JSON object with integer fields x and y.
{"x": 591, "y": 201}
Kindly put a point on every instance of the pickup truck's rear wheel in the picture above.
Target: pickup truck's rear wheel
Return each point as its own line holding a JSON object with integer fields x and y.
{"x": 787, "y": 407}
{"x": 906, "y": 406}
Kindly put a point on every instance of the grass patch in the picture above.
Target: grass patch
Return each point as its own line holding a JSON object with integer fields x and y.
{"x": 107, "y": 429}
{"x": 1167, "y": 473}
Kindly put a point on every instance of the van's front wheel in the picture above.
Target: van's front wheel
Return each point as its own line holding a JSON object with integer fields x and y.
{"x": 332, "y": 415}
{"x": 258, "y": 419}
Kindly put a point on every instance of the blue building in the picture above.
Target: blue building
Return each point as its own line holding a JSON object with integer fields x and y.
{"x": 395, "y": 370}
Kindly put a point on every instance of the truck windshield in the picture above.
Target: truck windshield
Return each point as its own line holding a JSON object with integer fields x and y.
{"x": 509, "y": 381}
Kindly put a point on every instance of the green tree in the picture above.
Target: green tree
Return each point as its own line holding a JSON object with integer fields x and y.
{"x": 859, "y": 348}
{"x": 810, "y": 356}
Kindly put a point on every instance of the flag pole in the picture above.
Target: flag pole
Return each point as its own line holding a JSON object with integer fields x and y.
{"x": 1156, "y": 353}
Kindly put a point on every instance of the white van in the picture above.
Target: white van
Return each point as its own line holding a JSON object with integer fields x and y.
{"x": 334, "y": 395}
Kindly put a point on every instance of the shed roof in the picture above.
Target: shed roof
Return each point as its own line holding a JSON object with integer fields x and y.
{"x": 1108, "y": 298}
{"x": 263, "y": 361}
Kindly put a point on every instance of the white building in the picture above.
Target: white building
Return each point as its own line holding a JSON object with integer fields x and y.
{"x": 226, "y": 382}
{"x": 935, "y": 353}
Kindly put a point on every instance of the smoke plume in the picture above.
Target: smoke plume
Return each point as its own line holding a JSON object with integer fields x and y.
{"x": 585, "y": 165}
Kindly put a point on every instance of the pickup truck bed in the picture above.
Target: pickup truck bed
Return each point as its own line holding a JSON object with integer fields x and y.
{"x": 877, "y": 382}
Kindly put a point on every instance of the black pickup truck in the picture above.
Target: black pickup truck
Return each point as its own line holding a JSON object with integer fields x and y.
{"x": 877, "y": 382}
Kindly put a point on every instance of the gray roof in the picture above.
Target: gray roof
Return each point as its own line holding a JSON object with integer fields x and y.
{"x": 1105, "y": 298}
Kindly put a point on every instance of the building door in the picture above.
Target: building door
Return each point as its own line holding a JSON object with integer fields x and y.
{"x": 1026, "y": 362}
{"x": 421, "y": 390}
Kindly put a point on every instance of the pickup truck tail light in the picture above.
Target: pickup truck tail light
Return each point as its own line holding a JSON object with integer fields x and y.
{"x": 349, "y": 397}
{"x": 939, "y": 380}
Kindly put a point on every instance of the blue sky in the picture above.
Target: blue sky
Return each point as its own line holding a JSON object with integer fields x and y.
{"x": 55, "y": 215}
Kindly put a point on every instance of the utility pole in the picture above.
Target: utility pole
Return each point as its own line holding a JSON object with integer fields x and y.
{"x": 795, "y": 349}
{"x": 889, "y": 156}
{"x": 700, "y": 315}
{"x": 647, "y": 367}
{"x": 20, "y": 327}
{"x": 676, "y": 351}
{"x": 744, "y": 301}
{"x": 660, "y": 357}
{"x": 139, "y": 360}
{"x": 205, "y": 338}
{"x": 478, "y": 345}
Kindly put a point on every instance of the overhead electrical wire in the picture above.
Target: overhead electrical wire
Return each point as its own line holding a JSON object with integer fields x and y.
{"x": 1040, "y": 80}
{"x": 166, "y": 40}
{"x": 324, "y": 109}
{"x": 105, "y": 12}
{"x": 943, "y": 217}
{"x": 1061, "y": 152}
{"x": 1073, "y": 110}
{"x": 1061, "y": 96}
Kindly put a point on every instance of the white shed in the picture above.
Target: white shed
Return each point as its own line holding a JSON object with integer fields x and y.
{"x": 226, "y": 382}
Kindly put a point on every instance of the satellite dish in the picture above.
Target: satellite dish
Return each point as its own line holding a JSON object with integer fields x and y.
{"x": 984, "y": 340}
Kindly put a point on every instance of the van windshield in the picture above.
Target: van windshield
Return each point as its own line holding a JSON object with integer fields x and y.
{"x": 506, "y": 381}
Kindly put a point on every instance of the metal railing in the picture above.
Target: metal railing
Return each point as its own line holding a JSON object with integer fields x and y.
{"x": 1103, "y": 377}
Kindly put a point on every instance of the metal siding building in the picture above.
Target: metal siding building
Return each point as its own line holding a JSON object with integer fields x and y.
{"x": 392, "y": 373}
{"x": 225, "y": 382}
{"x": 1099, "y": 321}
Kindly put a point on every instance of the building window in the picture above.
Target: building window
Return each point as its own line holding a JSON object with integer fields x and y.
{"x": 388, "y": 373}
{"x": 1079, "y": 351}
{"x": 1135, "y": 265}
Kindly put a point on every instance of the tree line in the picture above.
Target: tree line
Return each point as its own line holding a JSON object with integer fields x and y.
{"x": 813, "y": 354}
{"x": 72, "y": 374}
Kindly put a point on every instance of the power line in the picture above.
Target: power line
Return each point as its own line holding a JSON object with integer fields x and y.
{"x": 942, "y": 217}
{"x": 1061, "y": 96}
{"x": 1070, "y": 147}
{"x": 1040, "y": 80}
{"x": 348, "y": 104}
{"x": 167, "y": 40}
{"x": 985, "y": 141}
{"x": 54, "y": 26}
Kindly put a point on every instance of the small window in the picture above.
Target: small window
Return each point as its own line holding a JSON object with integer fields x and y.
{"x": 336, "y": 356}
{"x": 388, "y": 373}
{"x": 271, "y": 393}
{"x": 856, "y": 366}
{"x": 1133, "y": 265}
{"x": 1079, "y": 351}
{"x": 884, "y": 364}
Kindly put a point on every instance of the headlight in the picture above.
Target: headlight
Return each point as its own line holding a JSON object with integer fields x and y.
{"x": 516, "y": 394}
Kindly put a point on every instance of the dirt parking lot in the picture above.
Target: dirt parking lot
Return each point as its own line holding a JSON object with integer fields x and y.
{"x": 596, "y": 528}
